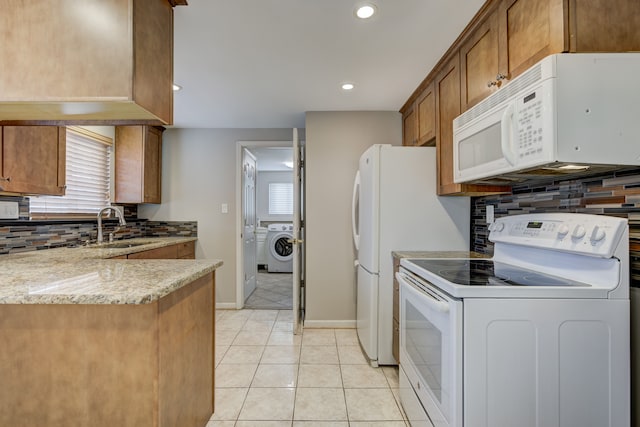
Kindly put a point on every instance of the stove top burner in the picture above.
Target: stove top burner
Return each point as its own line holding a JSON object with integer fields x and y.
{"x": 482, "y": 272}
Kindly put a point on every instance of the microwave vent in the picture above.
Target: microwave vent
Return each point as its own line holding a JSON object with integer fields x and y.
{"x": 512, "y": 88}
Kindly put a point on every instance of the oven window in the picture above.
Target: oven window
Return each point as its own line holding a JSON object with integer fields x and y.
{"x": 423, "y": 344}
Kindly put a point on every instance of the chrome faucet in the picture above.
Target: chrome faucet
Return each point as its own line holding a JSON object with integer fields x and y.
{"x": 103, "y": 210}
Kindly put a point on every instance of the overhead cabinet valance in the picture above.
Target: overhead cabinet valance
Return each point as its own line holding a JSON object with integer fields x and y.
{"x": 82, "y": 61}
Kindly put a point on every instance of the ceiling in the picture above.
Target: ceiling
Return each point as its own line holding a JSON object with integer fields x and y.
{"x": 272, "y": 159}
{"x": 264, "y": 63}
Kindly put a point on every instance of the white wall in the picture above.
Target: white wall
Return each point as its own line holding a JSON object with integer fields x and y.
{"x": 198, "y": 176}
{"x": 334, "y": 143}
{"x": 262, "y": 194}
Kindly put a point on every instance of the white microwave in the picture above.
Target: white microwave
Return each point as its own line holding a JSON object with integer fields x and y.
{"x": 569, "y": 114}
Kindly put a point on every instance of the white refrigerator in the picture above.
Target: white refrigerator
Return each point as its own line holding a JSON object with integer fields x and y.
{"x": 395, "y": 208}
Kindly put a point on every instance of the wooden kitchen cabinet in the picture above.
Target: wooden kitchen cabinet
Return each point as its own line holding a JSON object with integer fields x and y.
{"x": 447, "y": 89}
{"x": 419, "y": 121}
{"x": 479, "y": 63}
{"x": 529, "y": 30}
{"x": 33, "y": 160}
{"x": 68, "y": 68}
{"x": 186, "y": 250}
{"x": 138, "y": 164}
{"x": 409, "y": 126}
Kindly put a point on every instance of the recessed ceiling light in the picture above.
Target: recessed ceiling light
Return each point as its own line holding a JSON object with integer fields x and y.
{"x": 347, "y": 86}
{"x": 365, "y": 11}
{"x": 176, "y": 87}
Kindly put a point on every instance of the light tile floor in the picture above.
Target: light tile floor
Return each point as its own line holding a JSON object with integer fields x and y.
{"x": 273, "y": 291}
{"x": 268, "y": 377}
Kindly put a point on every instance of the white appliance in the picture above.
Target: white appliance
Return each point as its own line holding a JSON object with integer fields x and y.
{"x": 279, "y": 248}
{"x": 261, "y": 245}
{"x": 395, "y": 207}
{"x": 569, "y": 114}
{"x": 536, "y": 336}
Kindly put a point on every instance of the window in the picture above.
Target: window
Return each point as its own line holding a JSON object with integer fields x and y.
{"x": 280, "y": 198}
{"x": 88, "y": 173}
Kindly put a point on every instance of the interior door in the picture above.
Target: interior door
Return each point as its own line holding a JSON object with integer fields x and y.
{"x": 298, "y": 234}
{"x": 250, "y": 262}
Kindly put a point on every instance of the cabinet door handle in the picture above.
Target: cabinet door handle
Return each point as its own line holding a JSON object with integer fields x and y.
{"x": 491, "y": 83}
{"x": 7, "y": 179}
{"x": 501, "y": 76}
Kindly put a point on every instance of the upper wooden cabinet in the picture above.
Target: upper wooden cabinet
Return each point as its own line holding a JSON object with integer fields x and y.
{"x": 88, "y": 61}
{"x": 409, "y": 126}
{"x": 479, "y": 63}
{"x": 419, "y": 120}
{"x": 33, "y": 160}
{"x": 529, "y": 30}
{"x": 138, "y": 164}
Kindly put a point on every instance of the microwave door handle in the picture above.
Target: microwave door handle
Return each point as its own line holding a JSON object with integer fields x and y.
{"x": 506, "y": 140}
{"x": 434, "y": 304}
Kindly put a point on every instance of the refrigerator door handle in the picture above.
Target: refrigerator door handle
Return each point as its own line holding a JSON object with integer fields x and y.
{"x": 354, "y": 203}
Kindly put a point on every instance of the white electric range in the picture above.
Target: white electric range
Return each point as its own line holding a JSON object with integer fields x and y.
{"x": 538, "y": 335}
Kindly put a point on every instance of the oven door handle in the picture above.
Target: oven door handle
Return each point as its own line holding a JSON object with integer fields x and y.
{"x": 434, "y": 304}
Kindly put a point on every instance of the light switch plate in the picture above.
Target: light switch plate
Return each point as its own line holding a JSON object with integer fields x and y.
{"x": 224, "y": 208}
{"x": 8, "y": 210}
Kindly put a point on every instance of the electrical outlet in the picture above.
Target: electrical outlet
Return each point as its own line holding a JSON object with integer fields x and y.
{"x": 490, "y": 217}
{"x": 224, "y": 208}
{"x": 8, "y": 210}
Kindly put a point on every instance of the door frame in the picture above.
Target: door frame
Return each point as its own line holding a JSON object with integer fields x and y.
{"x": 240, "y": 145}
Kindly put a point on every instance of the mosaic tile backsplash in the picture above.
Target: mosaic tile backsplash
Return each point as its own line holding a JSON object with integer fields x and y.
{"x": 614, "y": 194}
{"x": 22, "y": 236}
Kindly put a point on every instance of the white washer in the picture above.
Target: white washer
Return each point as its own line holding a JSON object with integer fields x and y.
{"x": 279, "y": 248}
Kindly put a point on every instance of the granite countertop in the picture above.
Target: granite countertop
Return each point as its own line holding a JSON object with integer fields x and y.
{"x": 438, "y": 254}
{"x": 85, "y": 275}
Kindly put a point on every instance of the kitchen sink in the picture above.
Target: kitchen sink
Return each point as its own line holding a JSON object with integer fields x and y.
{"x": 117, "y": 245}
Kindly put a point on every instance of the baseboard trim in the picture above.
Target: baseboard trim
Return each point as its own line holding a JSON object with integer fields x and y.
{"x": 330, "y": 324}
{"x": 225, "y": 306}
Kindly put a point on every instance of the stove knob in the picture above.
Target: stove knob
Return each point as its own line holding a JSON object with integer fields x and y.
{"x": 563, "y": 230}
{"x": 597, "y": 234}
{"x": 578, "y": 232}
{"x": 498, "y": 226}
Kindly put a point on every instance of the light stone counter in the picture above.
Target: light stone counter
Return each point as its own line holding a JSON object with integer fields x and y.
{"x": 85, "y": 275}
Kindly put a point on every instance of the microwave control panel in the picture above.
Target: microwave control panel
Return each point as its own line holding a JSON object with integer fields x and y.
{"x": 529, "y": 124}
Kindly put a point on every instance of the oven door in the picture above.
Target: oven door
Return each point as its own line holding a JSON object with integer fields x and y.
{"x": 431, "y": 348}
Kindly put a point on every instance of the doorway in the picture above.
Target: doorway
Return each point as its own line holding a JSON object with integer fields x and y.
{"x": 270, "y": 255}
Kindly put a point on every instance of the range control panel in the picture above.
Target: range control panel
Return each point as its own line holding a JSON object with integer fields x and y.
{"x": 595, "y": 235}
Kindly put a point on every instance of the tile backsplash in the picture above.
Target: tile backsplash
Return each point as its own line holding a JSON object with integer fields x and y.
{"x": 24, "y": 235}
{"x": 614, "y": 194}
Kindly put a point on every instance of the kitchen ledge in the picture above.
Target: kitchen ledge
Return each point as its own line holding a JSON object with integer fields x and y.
{"x": 85, "y": 275}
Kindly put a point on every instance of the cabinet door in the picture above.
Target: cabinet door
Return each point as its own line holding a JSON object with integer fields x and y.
{"x": 447, "y": 89}
{"x": 409, "y": 126}
{"x": 152, "y": 165}
{"x": 529, "y": 30}
{"x": 33, "y": 160}
{"x": 479, "y": 63}
{"x": 426, "y": 110}
{"x": 447, "y": 108}
{"x": 138, "y": 164}
{"x": 604, "y": 25}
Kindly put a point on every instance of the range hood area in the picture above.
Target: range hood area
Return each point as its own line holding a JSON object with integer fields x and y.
{"x": 88, "y": 62}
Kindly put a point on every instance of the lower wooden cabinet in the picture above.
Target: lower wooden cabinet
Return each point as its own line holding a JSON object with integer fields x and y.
{"x": 186, "y": 250}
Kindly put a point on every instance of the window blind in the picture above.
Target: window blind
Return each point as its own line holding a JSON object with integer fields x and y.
{"x": 280, "y": 198}
{"x": 88, "y": 177}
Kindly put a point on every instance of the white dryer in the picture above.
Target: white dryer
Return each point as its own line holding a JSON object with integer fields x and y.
{"x": 280, "y": 248}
